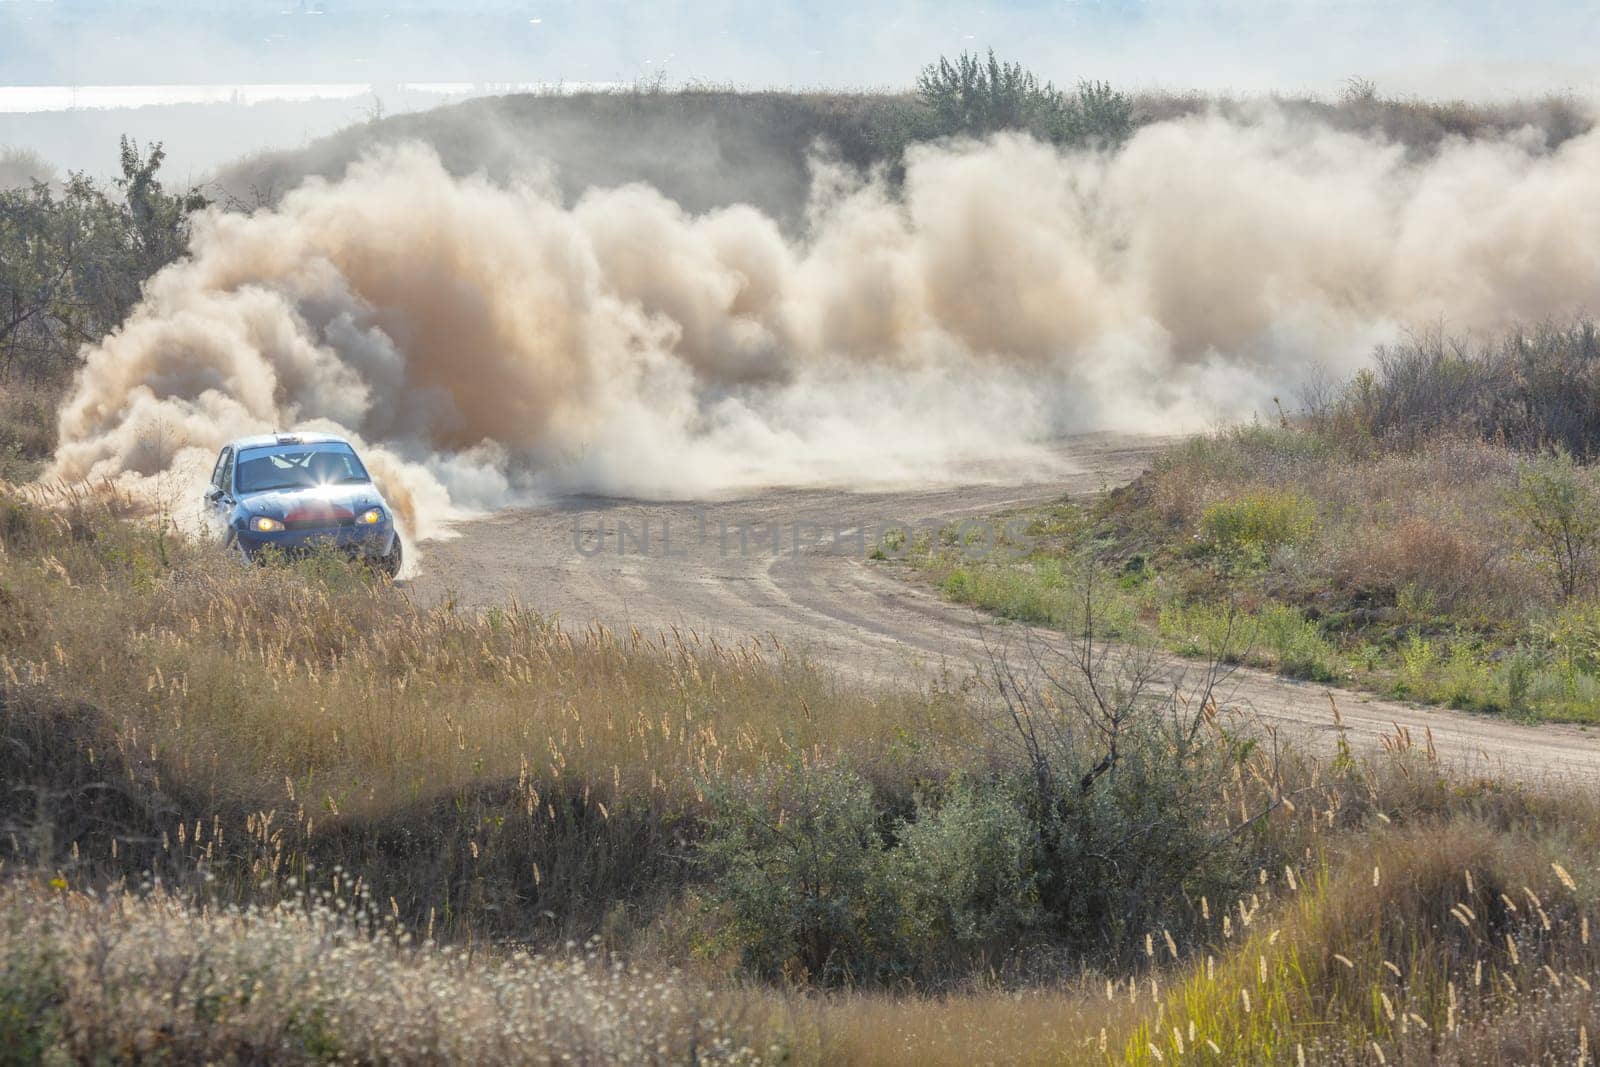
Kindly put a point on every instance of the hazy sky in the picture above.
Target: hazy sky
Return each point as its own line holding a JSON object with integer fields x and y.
{"x": 1476, "y": 47}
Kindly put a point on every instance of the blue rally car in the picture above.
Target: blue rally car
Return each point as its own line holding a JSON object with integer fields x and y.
{"x": 296, "y": 491}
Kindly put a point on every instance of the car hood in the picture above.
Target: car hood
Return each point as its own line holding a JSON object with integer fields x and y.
{"x": 327, "y": 502}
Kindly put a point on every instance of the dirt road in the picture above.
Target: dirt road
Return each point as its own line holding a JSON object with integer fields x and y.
{"x": 793, "y": 565}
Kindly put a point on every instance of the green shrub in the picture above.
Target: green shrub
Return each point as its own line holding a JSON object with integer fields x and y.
{"x": 1518, "y": 673}
{"x": 811, "y": 881}
{"x": 1467, "y": 680}
{"x": 960, "y": 586}
{"x": 975, "y": 96}
{"x": 802, "y": 878}
{"x": 1563, "y": 695}
{"x": 1133, "y": 852}
{"x": 1558, "y": 509}
{"x": 1258, "y": 522}
{"x": 1277, "y": 636}
{"x": 1419, "y": 660}
{"x": 29, "y": 992}
{"x": 966, "y": 872}
{"x": 814, "y": 882}
{"x": 1201, "y": 630}
{"x": 1127, "y": 780}
{"x": 1296, "y": 644}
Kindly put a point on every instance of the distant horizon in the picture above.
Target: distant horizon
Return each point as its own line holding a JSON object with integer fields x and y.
{"x": 34, "y": 99}
{"x": 207, "y": 126}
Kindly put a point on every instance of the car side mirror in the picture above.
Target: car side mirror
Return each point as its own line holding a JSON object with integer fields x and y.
{"x": 213, "y": 495}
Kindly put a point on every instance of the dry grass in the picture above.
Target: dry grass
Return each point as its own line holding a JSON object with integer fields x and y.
{"x": 1457, "y": 942}
{"x": 1430, "y": 920}
{"x": 27, "y": 425}
{"x": 457, "y": 787}
{"x": 1063, "y": 1024}
{"x": 145, "y": 978}
{"x": 174, "y": 709}
{"x": 1419, "y": 572}
{"x": 1433, "y": 519}
{"x": 1420, "y": 125}
{"x": 277, "y": 693}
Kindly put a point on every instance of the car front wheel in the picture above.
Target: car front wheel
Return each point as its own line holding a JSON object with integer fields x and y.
{"x": 389, "y": 564}
{"x": 236, "y": 548}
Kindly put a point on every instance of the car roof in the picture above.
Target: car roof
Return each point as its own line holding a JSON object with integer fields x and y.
{"x": 267, "y": 440}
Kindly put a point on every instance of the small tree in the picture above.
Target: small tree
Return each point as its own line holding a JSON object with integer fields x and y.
{"x": 976, "y": 96}
{"x": 159, "y": 219}
{"x": 1359, "y": 92}
{"x": 73, "y": 258}
{"x": 1559, "y": 512}
{"x": 1098, "y": 115}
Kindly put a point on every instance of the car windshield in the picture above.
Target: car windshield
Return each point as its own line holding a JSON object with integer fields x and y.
{"x": 298, "y": 468}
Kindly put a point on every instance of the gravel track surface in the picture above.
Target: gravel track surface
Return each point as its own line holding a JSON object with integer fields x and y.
{"x": 802, "y": 578}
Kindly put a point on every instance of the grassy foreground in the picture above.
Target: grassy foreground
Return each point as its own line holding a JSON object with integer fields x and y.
{"x": 287, "y": 815}
{"x": 1444, "y": 933}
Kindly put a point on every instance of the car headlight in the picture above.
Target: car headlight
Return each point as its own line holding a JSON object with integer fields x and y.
{"x": 370, "y": 517}
{"x": 263, "y": 524}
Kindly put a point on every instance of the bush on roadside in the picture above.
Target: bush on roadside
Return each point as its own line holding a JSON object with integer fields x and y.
{"x": 1253, "y": 524}
{"x": 1557, "y": 507}
{"x": 799, "y": 868}
{"x": 966, "y": 868}
{"x": 1533, "y": 388}
{"x": 1135, "y": 851}
{"x": 815, "y": 882}
{"x": 811, "y": 881}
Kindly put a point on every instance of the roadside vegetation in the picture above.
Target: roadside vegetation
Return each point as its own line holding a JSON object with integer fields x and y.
{"x": 250, "y": 813}
{"x": 73, "y": 256}
{"x": 1429, "y": 530}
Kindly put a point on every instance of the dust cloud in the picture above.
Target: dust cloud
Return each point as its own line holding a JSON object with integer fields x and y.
{"x": 485, "y": 343}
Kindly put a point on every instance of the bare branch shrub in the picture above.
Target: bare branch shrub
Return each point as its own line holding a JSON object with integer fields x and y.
{"x": 1532, "y": 389}
{"x": 1129, "y": 770}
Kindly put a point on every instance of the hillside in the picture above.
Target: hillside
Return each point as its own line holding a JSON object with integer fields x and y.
{"x": 701, "y": 148}
{"x": 709, "y": 147}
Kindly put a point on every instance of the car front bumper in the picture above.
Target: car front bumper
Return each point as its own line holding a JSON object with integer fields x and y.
{"x": 369, "y": 542}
